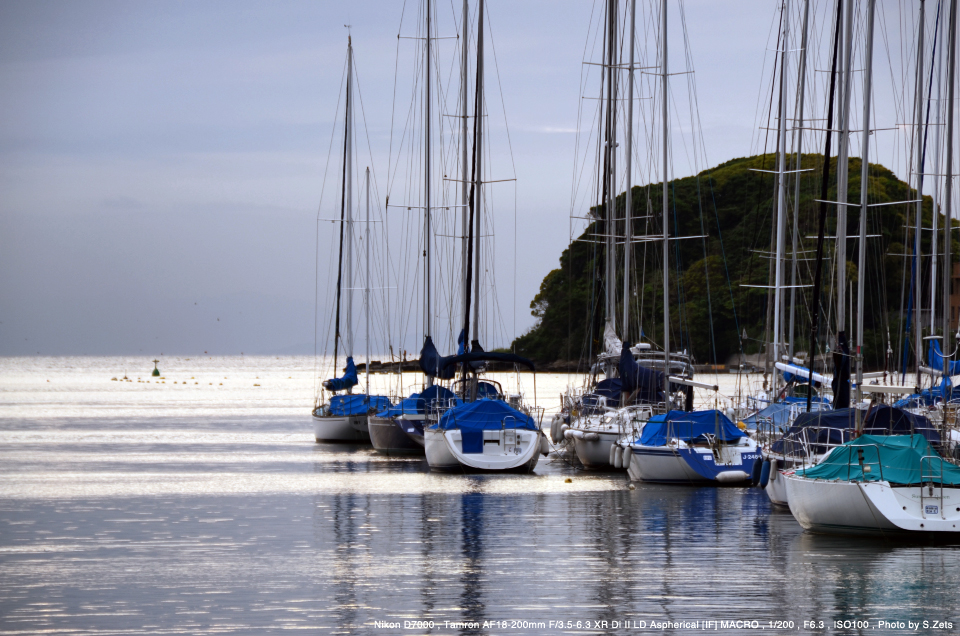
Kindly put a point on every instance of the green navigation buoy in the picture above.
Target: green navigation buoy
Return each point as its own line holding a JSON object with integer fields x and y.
{"x": 156, "y": 371}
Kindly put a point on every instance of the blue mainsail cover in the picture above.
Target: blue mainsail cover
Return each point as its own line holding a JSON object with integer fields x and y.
{"x": 412, "y": 405}
{"x": 357, "y": 404}
{"x": 688, "y": 426}
{"x": 432, "y": 363}
{"x": 348, "y": 380}
{"x": 633, "y": 377}
{"x": 609, "y": 388}
{"x": 935, "y": 358}
{"x": 486, "y": 415}
{"x": 888, "y": 420}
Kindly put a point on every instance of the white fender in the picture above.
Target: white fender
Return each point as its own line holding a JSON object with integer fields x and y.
{"x": 613, "y": 449}
{"x": 729, "y": 476}
{"x": 589, "y": 437}
{"x": 627, "y": 456}
{"x": 773, "y": 469}
{"x": 544, "y": 445}
{"x": 617, "y": 456}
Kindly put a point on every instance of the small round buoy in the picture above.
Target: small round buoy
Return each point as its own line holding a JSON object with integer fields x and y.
{"x": 568, "y": 481}
{"x": 632, "y": 487}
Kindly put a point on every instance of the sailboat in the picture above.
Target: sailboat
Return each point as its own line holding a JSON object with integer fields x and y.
{"x": 481, "y": 431}
{"x": 600, "y": 416}
{"x": 343, "y": 416}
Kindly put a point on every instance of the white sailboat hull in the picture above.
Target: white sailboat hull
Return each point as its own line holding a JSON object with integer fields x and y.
{"x": 341, "y": 428}
{"x": 595, "y": 453}
{"x": 839, "y": 507}
{"x": 660, "y": 464}
{"x": 437, "y": 450}
{"x": 516, "y": 450}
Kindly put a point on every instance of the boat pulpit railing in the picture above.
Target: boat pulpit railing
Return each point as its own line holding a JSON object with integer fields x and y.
{"x": 437, "y": 407}
{"x": 927, "y": 485}
{"x": 767, "y": 432}
{"x": 865, "y": 466}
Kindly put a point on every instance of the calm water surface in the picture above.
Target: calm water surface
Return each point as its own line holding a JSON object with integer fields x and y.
{"x": 132, "y": 522}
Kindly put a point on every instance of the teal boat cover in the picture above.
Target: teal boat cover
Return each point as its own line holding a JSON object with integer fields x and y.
{"x": 892, "y": 458}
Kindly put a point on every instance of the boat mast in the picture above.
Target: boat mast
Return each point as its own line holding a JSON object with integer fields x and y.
{"x": 463, "y": 156}
{"x": 348, "y": 208}
{"x": 426, "y": 180}
{"x": 938, "y": 60}
{"x": 610, "y": 176}
{"x": 917, "y": 329}
{"x": 864, "y": 176}
{"x": 366, "y": 286}
{"x": 822, "y": 221}
{"x": 781, "y": 185}
{"x": 947, "y": 211}
{"x": 478, "y": 183}
{"x": 796, "y": 198}
{"x": 843, "y": 154}
{"x": 666, "y": 216}
{"x": 343, "y": 209}
{"x": 628, "y": 221}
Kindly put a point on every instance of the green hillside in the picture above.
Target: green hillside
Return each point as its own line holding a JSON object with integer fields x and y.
{"x": 732, "y": 208}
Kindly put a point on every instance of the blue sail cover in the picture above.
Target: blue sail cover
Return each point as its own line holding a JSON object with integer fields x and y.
{"x": 688, "y": 426}
{"x": 348, "y": 380}
{"x": 432, "y": 363}
{"x": 825, "y": 429}
{"x": 437, "y": 396}
{"x": 357, "y": 404}
{"x": 412, "y": 405}
{"x": 633, "y": 377}
{"x": 888, "y": 420}
{"x": 779, "y": 412}
{"x": 486, "y": 415}
{"x": 841, "y": 372}
{"x": 935, "y": 358}
{"x": 609, "y": 388}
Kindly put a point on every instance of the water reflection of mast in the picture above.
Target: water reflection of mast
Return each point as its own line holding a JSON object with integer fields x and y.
{"x": 471, "y": 533}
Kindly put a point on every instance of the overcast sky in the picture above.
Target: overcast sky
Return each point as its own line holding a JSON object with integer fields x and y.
{"x": 161, "y": 162}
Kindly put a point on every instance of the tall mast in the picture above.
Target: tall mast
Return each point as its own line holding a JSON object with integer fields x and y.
{"x": 666, "y": 214}
{"x": 627, "y": 227}
{"x": 463, "y": 153}
{"x": 478, "y": 200}
{"x": 796, "y": 198}
{"x": 348, "y": 206}
{"x": 822, "y": 220}
{"x": 938, "y": 61}
{"x": 947, "y": 209}
{"x": 917, "y": 329}
{"x": 782, "y": 185}
{"x": 864, "y": 176}
{"x": 427, "y": 308}
{"x": 843, "y": 153}
{"x": 610, "y": 176}
{"x": 366, "y": 286}
{"x": 343, "y": 209}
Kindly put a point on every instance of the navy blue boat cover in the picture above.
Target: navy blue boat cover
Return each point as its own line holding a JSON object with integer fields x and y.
{"x": 633, "y": 377}
{"x": 357, "y": 404}
{"x": 841, "y": 373}
{"x": 609, "y": 388}
{"x": 935, "y": 358}
{"x": 888, "y": 420}
{"x": 486, "y": 415}
{"x": 687, "y": 426}
{"x": 432, "y": 363}
{"x": 437, "y": 396}
{"x": 407, "y": 406}
{"x": 484, "y": 356}
{"x": 348, "y": 380}
{"x": 830, "y": 428}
